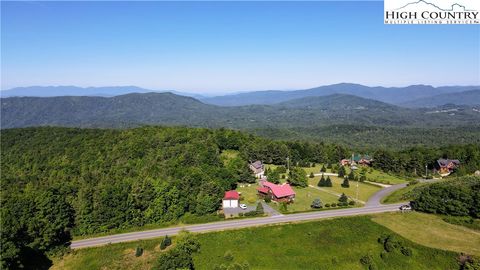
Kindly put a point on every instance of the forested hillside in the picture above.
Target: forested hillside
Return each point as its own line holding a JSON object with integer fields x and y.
{"x": 170, "y": 109}
{"x": 59, "y": 181}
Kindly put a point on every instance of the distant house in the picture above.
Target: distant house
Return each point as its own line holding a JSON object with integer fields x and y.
{"x": 357, "y": 159}
{"x": 279, "y": 193}
{"x": 446, "y": 166}
{"x": 257, "y": 168}
{"x": 230, "y": 199}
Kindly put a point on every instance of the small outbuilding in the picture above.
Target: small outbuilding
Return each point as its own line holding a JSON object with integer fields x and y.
{"x": 230, "y": 199}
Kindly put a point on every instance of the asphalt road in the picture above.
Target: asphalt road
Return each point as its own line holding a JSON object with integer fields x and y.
{"x": 234, "y": 224}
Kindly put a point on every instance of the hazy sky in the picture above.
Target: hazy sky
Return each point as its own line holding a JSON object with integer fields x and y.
{"x": 228, "y": 46}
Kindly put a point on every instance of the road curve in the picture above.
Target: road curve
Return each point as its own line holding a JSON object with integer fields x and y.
{"x": 233, "y": 224}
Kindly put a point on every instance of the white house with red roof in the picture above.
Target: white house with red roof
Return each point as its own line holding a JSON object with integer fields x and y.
{"x": 230, "y": 199}
{"x": 279, "y": 193}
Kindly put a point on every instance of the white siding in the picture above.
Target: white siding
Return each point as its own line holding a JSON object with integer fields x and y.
{"x": 230, "y": 203}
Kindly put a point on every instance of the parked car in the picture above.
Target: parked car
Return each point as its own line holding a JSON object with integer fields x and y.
{"x": 405, "y": 207}
{"x": 243, "y": 206}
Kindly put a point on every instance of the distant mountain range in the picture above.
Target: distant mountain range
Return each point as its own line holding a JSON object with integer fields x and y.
{"x": 403, "y": 96}
{"x": 471, "y": 97}
{"x": 170, "y": 109}
{"x": 57, "y": 91}
{"x": 392, "y": 95}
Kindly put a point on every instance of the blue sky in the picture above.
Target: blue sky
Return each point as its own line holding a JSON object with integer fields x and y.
{"x": 228, "y": 46}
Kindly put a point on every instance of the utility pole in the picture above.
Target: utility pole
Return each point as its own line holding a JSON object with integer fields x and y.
{"x": 288, "y": 166}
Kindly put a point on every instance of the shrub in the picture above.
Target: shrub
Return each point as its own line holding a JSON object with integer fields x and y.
{"x": 138, "y": 252}
{"x": 327, "y": 205}
{"x": 283, "y": 207}
{"x": 259, "y": 209}
{"x": 166, "y": 241}
{"x": 333, "y": 205}
{"x": 228, "y": 256}
{"x": 317, "y": 203}
{"x": 345, "y": 183}
{"x": 221, "y": 215}
{"x": 268, "y": 198}
{"x": 323, "y": 169}
{"x": 366, "y": 259}
{"x": 241, "y": 214}
{"x": 351, "y": 203}
{"x": 312, "y": 175}
{"x": 406, "y": 251}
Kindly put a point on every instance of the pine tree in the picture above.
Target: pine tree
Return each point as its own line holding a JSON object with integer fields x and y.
{"x": 341, "y": 171}
{"x": 322, "y": 182}
{"x": 323, "y": 169}
{"x": 351, "y": 176}
{"x": 345, "y": 183}
{"x": 312, "y": 175}
{"x": 260, "y": 209}
{"x": 328, "y": 182}
{"x": 343, "y": 199}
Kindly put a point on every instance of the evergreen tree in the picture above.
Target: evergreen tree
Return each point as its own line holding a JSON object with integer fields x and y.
{"x": 328, "y": 182}
{"x": 260, "y": 209}
{"x": 323, "y": 169}
{"x": 322, "y": 182}
{"x": 343, "y": 199}
{"x": 312, "y": 175}
{"x": 345, "y": 183}
{"x": 341, "y": 171}
{"x": 351, "y": 175}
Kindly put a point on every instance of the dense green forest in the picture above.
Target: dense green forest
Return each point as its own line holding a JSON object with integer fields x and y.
{"x": 62, "y": 181}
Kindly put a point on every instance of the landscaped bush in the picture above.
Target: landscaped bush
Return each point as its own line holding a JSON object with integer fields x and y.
{"x": 166, "y": 241}
{"x": 333, "y": 205}
{"x": 351, "y": 203}
{"x": 138, "y": 252}
{"x": 327, "y": 205}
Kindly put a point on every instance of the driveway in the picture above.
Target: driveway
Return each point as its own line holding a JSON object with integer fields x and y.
{"x": 269, "y": 210}
{"x": 238, "y": 210}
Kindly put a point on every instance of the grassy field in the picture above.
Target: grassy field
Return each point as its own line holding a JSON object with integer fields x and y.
{"x": 385, "y": 178}
{"x": 304, "y": 198}
{"x": 432, "y": 231}
{"x": 365, "y": 191}
{"x": 328, "y": 244}
{"x": 116, "y": 256}
{"x": 248, "y": 194}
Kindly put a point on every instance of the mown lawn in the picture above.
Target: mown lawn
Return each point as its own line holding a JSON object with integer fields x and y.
{"x": 401, "y": 195}
{"x": 385, "y": 178}
{"x": 365, "y": 191}
{"x": 304, "y": 198}
{"x": 327, "y": 244}
{"x": 430, "y": 230}
{"x": 248, "y": 194}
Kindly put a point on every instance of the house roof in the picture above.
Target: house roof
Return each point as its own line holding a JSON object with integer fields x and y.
{"x": 262, "y": 189}
{"x": 257, "y": 164}
{"x": 444, "y": 162}
{"x": 231, "y": 195}
{"x": 279, "y": 191}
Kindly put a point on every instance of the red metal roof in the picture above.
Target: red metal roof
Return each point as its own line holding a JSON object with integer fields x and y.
{"x": 263, "y": 189}
{"x": 279, "y": 190}
{"x": 231, "y": 195}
